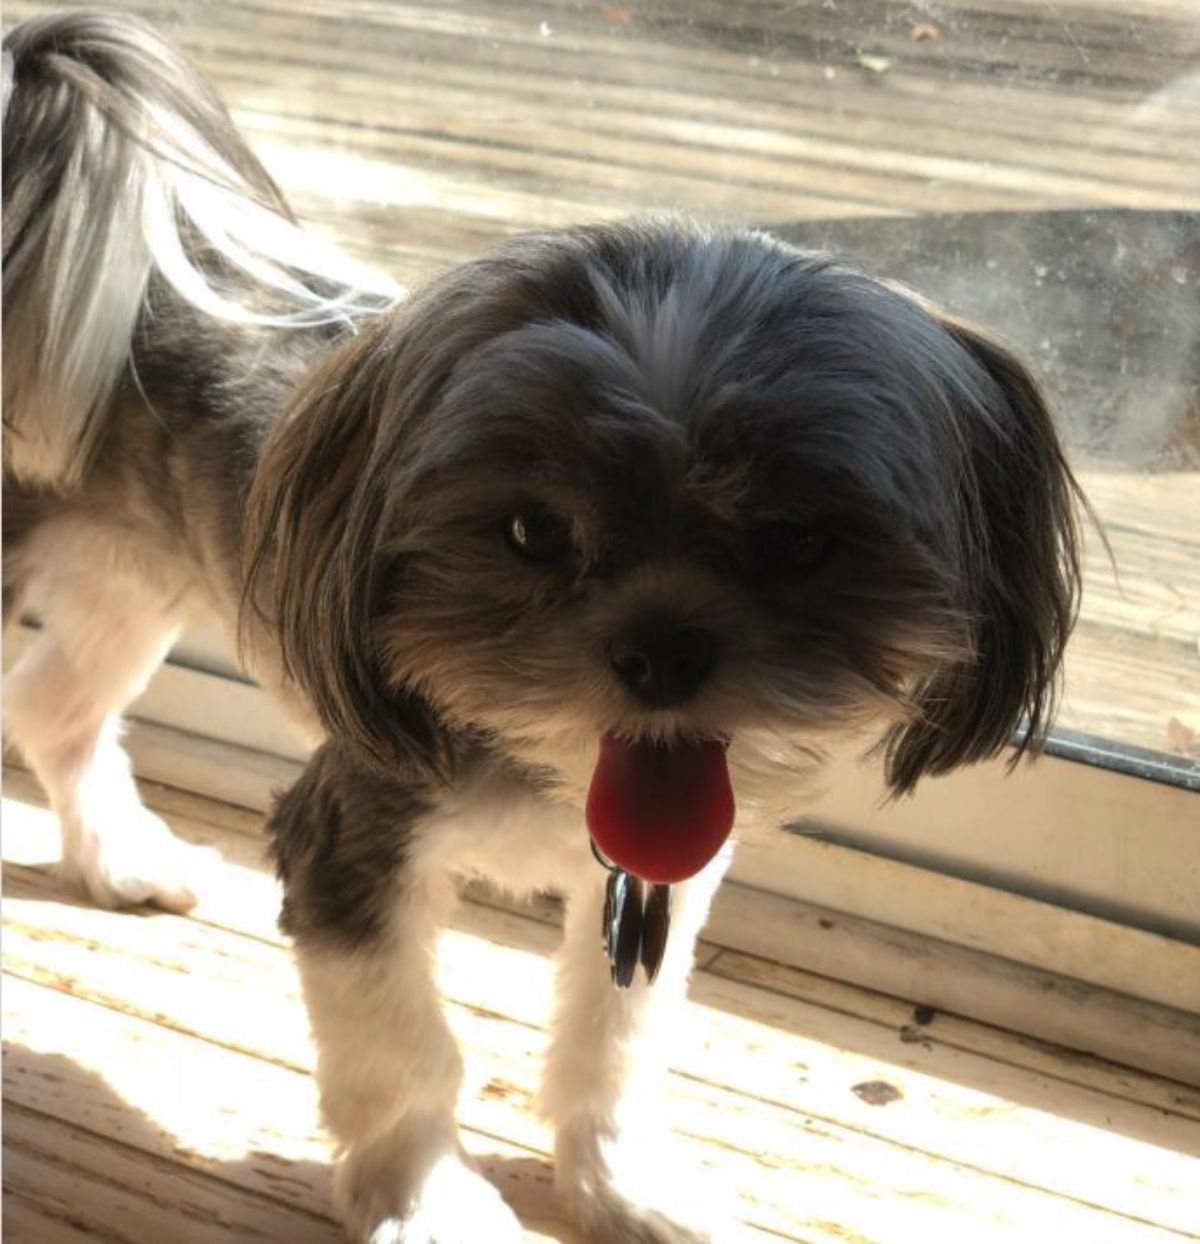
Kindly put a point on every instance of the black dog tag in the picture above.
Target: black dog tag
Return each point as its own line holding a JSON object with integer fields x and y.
{"x": 635, "y": 925}
{"x": 656, "y": 924}
{"x": 623, "y": 926}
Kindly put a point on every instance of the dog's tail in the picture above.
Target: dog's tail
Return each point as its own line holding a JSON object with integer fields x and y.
{"x": 120, "y": 163}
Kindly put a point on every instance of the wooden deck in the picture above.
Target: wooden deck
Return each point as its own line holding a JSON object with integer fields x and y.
{"x": 419, "y": 132}
{"x": 157, "y": 1087}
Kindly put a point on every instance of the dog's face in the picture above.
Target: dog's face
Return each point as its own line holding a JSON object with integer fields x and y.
{"x": 658, "y": 483}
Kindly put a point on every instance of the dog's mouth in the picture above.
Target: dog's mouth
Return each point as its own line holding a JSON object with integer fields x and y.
{"x": 660, "y": 811}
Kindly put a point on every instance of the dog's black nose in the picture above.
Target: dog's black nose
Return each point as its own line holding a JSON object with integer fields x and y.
{"x": 664, "y": 665}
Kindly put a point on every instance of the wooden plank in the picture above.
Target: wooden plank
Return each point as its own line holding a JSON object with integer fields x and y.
{"x": 209, "y": 765}
{"x": 740, "y": 175}
{"x": 909, "y": 974}
{"x": 935, "y": 905}
{"x": 1159, "y": 501}
{"x": 1085, "y": 1032}
{"x": 247, "y": 898}
{"x": 634, "y": 179}
{"x": 799, "y": 34}
{"x": 1133, "y": 689}
{"x": 499, "y": 981}
{"x": 245, "y": 1125}
{"x": 591, "y": 64}
{"x": 798, "y": 1151}
{"x": 690, "y": 131}
{"x": 1162, "y": 1042}
{"x": 180, "y": 698}
{"x": 616, "y": 106}
{"x": 1152, "y": 521}
{"x": 1133, "y": 667}
{"x": 63, "y": 1183}
{"x": 738, "y": 171}
{"x": 693, "y": 80}
{"x": 1056, "y": 832}
{"x": 905, "y": 966}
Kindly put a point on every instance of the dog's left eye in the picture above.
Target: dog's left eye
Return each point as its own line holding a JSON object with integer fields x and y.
{"x": 537, "y": 534}
{"x": 790, "y": 547}
{"x": 808, "y": 547}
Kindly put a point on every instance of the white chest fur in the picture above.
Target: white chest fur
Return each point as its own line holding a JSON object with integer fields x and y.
{"x": 508, "y": 833}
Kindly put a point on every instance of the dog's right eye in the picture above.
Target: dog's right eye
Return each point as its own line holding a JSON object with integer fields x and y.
{"x": 537, "y": 534}
{"x": 786, "y": 548}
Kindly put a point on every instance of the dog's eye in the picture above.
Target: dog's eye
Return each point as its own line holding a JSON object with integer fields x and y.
{"x": 787, "y": 547}
{"x": 807, "y": 547}
{"x": 537, "y": 534}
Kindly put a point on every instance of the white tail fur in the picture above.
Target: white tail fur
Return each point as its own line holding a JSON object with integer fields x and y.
{"x": 120, "y": 161}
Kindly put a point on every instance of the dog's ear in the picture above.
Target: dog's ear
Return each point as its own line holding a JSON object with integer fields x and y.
{"x": 1021, "y": 569}
{"x": 315, "y": 573}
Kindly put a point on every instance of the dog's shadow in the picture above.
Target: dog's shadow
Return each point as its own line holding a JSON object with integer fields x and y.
{"x": 77, "y": 1153}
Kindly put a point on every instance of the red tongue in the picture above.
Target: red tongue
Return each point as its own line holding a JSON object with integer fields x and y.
{"x": 660, "y": 812}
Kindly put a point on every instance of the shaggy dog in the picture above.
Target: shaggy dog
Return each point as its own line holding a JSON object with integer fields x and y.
{"x": 595, "y": 543}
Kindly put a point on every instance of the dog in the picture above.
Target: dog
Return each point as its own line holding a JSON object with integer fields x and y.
{"x": 574, "y": 563}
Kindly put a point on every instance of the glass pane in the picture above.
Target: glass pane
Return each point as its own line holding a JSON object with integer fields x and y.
{"x": 1033, "y": 165}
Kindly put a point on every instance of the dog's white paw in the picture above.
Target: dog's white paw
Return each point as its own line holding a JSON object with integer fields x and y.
{"x": 632, "y": 1194}
{"x": 604, "y": 1215}
{"x": 452, "y": 1205}
{"x": 132, "y": 858}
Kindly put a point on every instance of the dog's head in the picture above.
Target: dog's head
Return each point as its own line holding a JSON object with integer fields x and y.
{"x": 653, "y": 482}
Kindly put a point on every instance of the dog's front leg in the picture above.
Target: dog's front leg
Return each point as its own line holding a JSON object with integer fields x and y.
{"x": 365, "y": 922}
{"x": 603, "y": 1071}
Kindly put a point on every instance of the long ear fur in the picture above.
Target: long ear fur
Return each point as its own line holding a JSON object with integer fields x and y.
{"x": 320, "y": 513}
{"x": 316, "y": 524}
{"x": 1023, "y": 570}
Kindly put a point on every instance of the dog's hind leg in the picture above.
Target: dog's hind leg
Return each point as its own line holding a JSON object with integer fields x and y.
{"x": 101, "y": 641}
